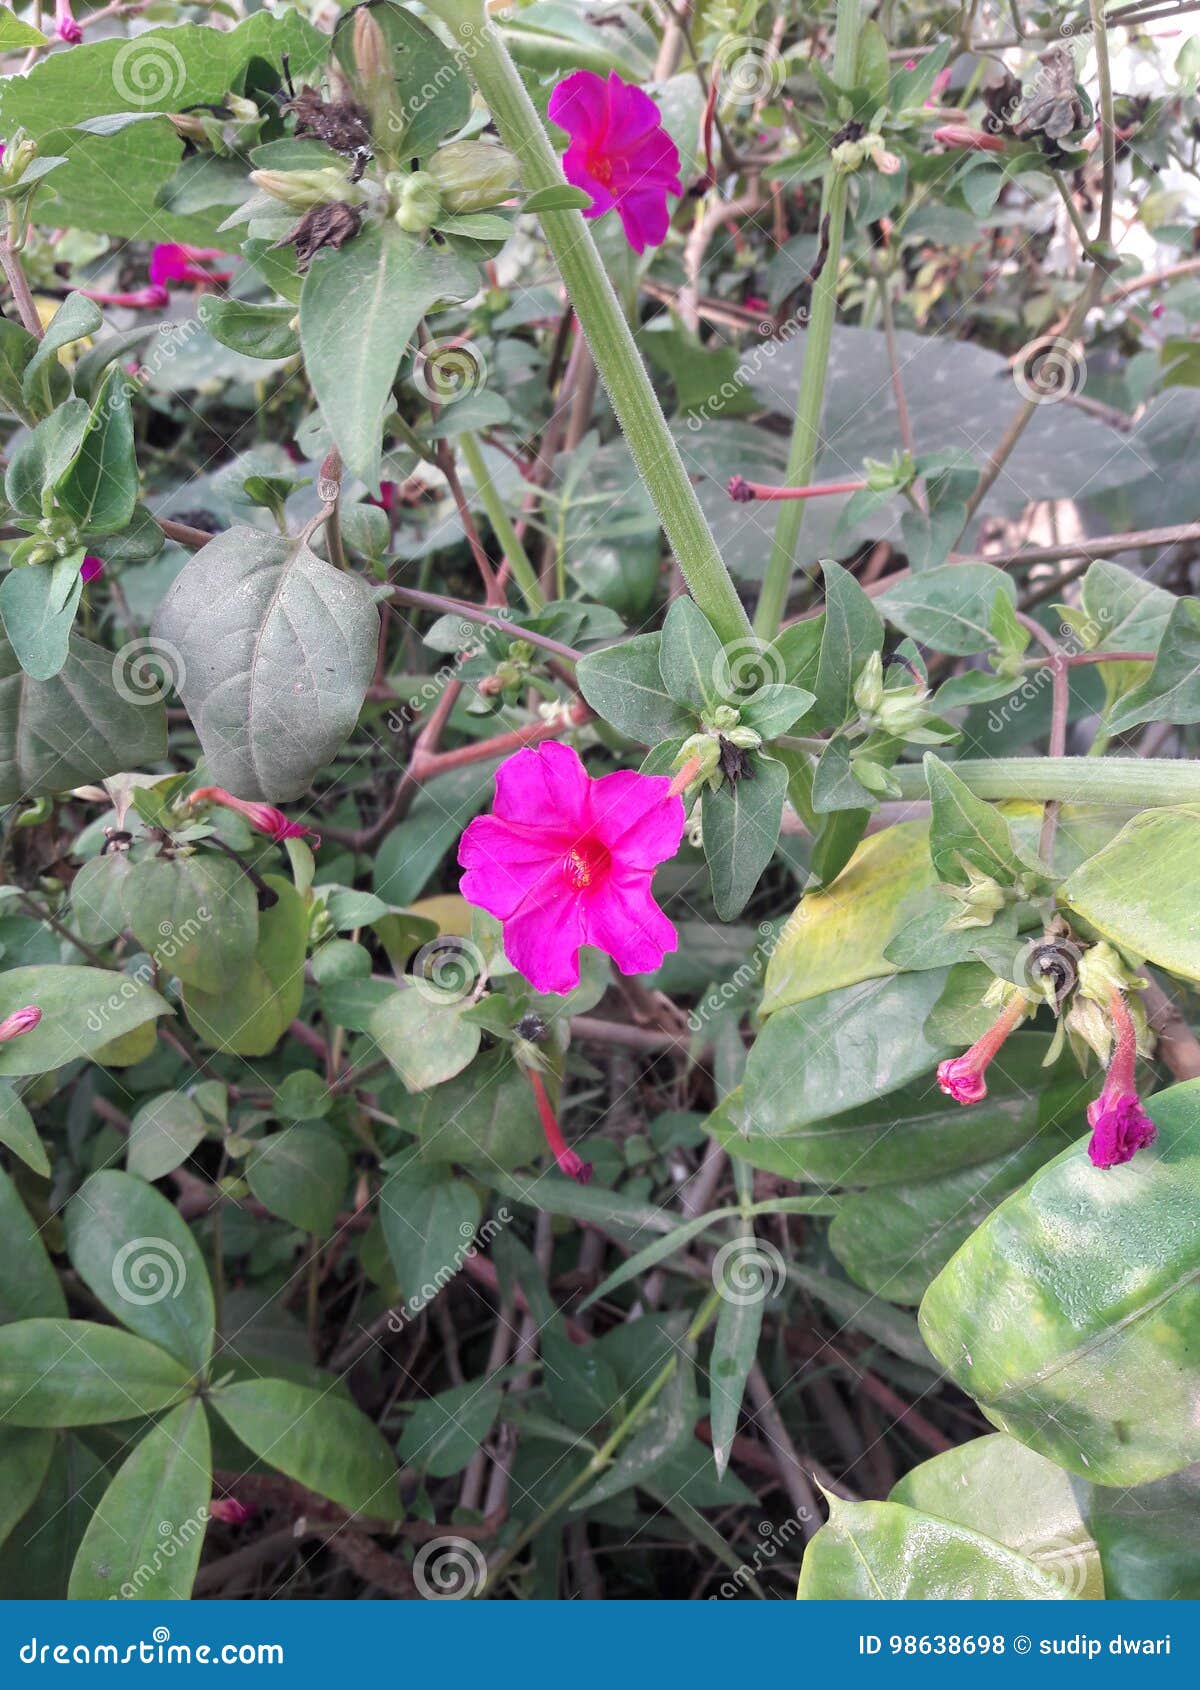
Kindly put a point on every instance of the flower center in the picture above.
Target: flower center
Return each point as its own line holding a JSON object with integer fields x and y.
{"x": 585, "y": 863}
{"x": 600, "y": 166}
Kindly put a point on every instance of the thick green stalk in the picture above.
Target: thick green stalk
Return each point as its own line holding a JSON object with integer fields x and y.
{"x": 523, "y": 572}
{"x": 806, "y": 430}
{"x": 1125, "y": 782}
{"x": 603, "y": 322}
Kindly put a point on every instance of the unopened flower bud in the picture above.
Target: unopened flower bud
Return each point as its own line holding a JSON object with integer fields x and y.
{"x": 746, "y": 739}
{"x": 472, "y": 175}
{"x": 1101, "y": 973}
{"x": 302, "y": 189}
{"x": 19, "y": 154}
{"x": 900, "y": 712}
{"x": 724, "y": 717}
{"x": 979, "y": 901}
{"x": 418, "y": 200}
{"x": 868, "y": 688}
{"x": 703, "y": 748}
{"x": 20, "y": 1021}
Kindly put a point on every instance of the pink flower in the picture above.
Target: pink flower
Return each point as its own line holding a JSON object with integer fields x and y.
{"x": 171, "y": 263}
{"x": 619, "y": 152}
{"x": 265, "y": 817}
{"x": 974, "y": 140}
{"x": 572, "y": 1165}
{"x": 962, "y": 1076}
{"x": 1120, "y": 1126}
{"x": 20, "y": 1021}
{"x": 938, "y": 87}
{"x": 65, "y": 26}
{"x": 565, "y": 860}
{"x": 91, "y": 567}
{"x": 229, "y": 1511}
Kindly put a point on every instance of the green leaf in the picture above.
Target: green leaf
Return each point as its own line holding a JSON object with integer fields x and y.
{"x": 443, "y": 1432}
{"x": 74, "y": 1373}
{"x": 997, "y": 1487}
{"x": 317, "y": 1438}
{"x": 624, "y": 686}
{"x": 435, "y": 93}
{"x": 1123, "y": 611}
{"x": 37, "y": 619}
{"x": 275, "y": 652}
{"x": 1071, "y": 1315}
{"x": 735, "y": 1345}
{"x": 98, "y": 897}
{"x": 741, "y": 821}
{"x": 41, "y": 457}
{"x": 14, "y": 33}
{"x": 99, "y": 489}
{"x": 659, "y": 1250}
{"x": 422, "y": 1033}
{"x": 145, "y": 1538}
{"x": 89, "y": 722}
{"x": 691, "y": 657}
{"x": 383, "y": 282}
{"x": 25, "y": 1454}
{"x": 1141, "y": 890}
{"x": 965, "y": 829}
{"x": 483, "y": 1117}
{"x": 1171, "y": 691}
{"x": 196, "y": 914}
{"x": 852, "y": 631}
{"x": 669, "y": 1428}
{"x": 17, "y": 347}
{"x": 256, "y": 331}
{"x": 842, "y": 1049}
{"x": 29, "y": 1286}
{"x": 883, "y": 1552}
{"x": 82, "y": 1010}
{"x": 1148, "y": 1538}
{"x": 76, "y": 318}
{"x": 36, "y": 1561}
{"x": 562, "y": 198}
{"x": 18, "y": 1133}
{"x": 774, "y": 709}
{"x": 948, "y": 608}
{"x": 137, "y": 1256}
{"x": 300, "y": 1174}
{"x": 162, "y": 1134}
{"x": 912, "y": 1133}
{"x": 251, "y": 1016}
{"x": 428, "y": 1224}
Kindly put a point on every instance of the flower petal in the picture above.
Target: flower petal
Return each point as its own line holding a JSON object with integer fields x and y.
{"x": 637, "y": 818}
{"x": 546, "y": 787}
{"x": 505, "y": 864}
{"x": 575, "y": 169}
{"x": 644, "y": 217}
{"x": 580, "y": 104}
{"x": 542, "y": 941}
{"x": 623, "y": 919}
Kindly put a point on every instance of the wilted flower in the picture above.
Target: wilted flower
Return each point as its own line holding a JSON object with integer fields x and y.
{"x": 90, "y": 568}
{"x": 565, "y": 860}
{"x": 265, "y": 817}
{"x": 973, "y": 140}
{"x": 229, "y": 1511}
{"x": 173, "y": 263}
{"x": 619, "y": 152}
{"x": 65, "y": 26}
{"x": 962, "y": 1077}
{"x": 1120, "y": 1126}
{"x": 572, "y": 1165}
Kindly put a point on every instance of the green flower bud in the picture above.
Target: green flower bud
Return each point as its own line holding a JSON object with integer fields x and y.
{"x": 724, "y": 717}
{"x": 19, "y": 154}
{"x": 302, "y": 189}
{"x": 900, "y": 712}
{"x": 979, "y": 901}
{"x": 703, "y": 746}
{"x": 746, "y": 739}
{"x": 419, "y": 200}
{"x": 868, "y": 688}
{"x": 473, "y": 175}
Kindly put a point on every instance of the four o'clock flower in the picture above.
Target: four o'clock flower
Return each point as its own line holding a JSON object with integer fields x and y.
{"x": 1120, "y": 1126}
{"x": 20, "y": 1021}
{"x": 961, "y": 135}
{"x": 565, "y": 860}
{"x": 90, "y": 568}
{"x": 169, "y": 263}
{"x": 962, "y": 1076}
{"x": 619, "y": 152}
{"x": 65, "y": 26}
{"x": 572, "y": 1165}
{"x": 265, "y": 817}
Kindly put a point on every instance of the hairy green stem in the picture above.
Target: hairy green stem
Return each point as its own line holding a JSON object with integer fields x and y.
{"x": 603, "y": 322}
{"x": 1125, "y": 782}
{"x": 523, "y": 572}
{"x": 806, "y": 430}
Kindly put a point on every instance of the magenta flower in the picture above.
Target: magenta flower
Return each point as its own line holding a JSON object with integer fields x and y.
{"x": 1120, "y": 1126}
{"x": 962, "y": 1077}
{"x": 565, "y": 860}
{"x": 90, "y": 568}
{"x": 265, "y": 817}
{"x": 65, "y": 26}
{"x": 171, "y": 263}
{"x": 20, "y": 1021}
{"x": 619, "y": 152}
